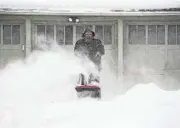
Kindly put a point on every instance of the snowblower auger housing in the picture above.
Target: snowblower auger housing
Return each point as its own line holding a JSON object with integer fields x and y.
{"x": 92, "y": 91}
{"x": 87, "y": 90}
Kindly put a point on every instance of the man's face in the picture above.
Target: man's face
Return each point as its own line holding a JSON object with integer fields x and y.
{"x": 89, "y": 35}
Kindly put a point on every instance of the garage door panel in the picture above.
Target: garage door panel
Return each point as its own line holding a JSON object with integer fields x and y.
{"x": 20, "y": 47}
{"x": 133, "y": 47}
{"x": 158, "y": 79}
{"x": 1, "y": 58}
{"x": 172, "y": 81}
{"x": 110, "y": 59}
{"x": 156, "y": 59}
{"x": 110, "y": 55}
{"x": 134, "y": 60}
{"x": 173, "y": 59}
{"x": 11, "y": 55}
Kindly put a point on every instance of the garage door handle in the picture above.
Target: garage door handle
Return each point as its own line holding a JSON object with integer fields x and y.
{"x": 23, "y": 47}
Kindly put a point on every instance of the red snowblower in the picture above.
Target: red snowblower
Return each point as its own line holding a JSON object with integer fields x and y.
{"x": 85, "y": 90}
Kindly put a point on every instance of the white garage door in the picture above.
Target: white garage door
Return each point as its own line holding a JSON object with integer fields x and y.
{"x": 152, "y": 54}
{"x": 12, "y": 42}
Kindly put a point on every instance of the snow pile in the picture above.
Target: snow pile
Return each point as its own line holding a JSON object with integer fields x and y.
{"x": 151, "y": 108}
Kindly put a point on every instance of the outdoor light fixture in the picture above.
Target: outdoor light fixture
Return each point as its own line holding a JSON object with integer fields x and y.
{"x": 77, "y": 20}
{"x": 70, "y": 19}
{"x": 73, "y": 19}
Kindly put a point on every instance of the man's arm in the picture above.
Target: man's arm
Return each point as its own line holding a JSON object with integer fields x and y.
{"x": 100, "y": 47}
{"x": 77, "y": 48}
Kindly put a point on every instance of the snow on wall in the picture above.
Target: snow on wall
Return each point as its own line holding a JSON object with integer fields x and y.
{"x": 115, "y": 4}
{"x": 80, "y": 6}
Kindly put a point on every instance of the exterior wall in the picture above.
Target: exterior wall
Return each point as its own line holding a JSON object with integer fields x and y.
{"x": 152, "y": 55}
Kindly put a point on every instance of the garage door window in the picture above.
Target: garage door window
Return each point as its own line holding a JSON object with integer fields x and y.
{"x": 155, "y": 34}
{"x": 104, "y": 33}
{"x": 60, "y": 34}
{"x": 137, "y": 34}
{"x": 67, "y": 34}
{"x": 11, "y": 34}
{"x": 173, "y": 34}
{"x": 49, "y": 33}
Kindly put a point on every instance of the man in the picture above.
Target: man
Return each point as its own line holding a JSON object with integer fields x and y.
{"x": 91, "y": 48}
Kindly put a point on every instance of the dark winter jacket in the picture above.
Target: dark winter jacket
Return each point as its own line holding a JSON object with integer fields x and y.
{"x": 90, "y": 48}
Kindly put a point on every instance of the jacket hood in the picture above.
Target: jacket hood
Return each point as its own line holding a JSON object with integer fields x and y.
{"x": 88, "y": 30}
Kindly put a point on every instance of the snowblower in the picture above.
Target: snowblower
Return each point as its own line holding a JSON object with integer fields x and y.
{"x": 85, "y": 89}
